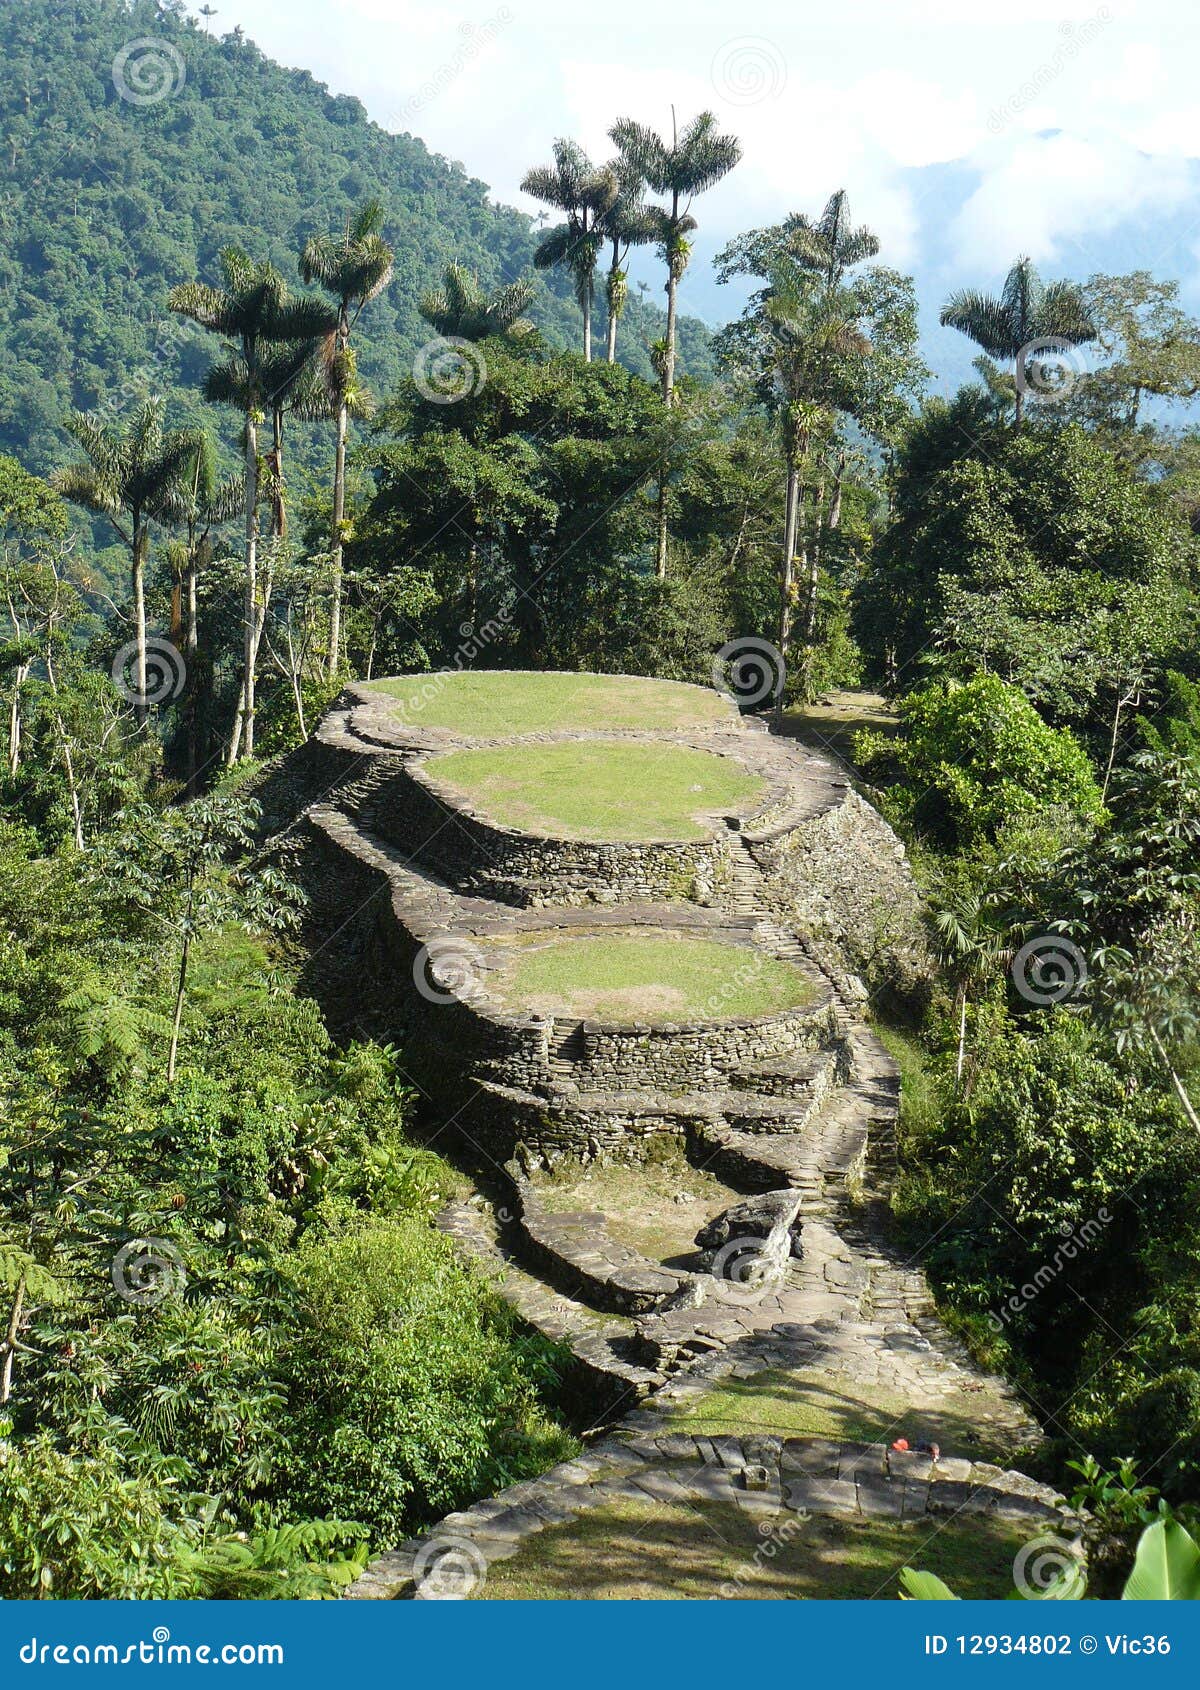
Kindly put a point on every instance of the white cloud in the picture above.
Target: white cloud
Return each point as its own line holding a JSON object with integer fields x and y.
{"x": 1046, "y": 195}
{"x": 1073, "y": 115}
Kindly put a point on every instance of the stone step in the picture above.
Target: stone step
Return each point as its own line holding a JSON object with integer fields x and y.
{"x": 600, "y": 1345}
{"x": 577, "y": 1250}
{"x": 810, "y": 1072}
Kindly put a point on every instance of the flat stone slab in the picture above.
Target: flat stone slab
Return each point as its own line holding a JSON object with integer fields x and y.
{"x": 812, "y": 1495}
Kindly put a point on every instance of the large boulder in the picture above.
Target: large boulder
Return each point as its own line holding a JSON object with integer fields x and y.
{"x": 771, "y": 1216}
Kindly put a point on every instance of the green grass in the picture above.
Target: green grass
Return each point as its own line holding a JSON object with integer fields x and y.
{"x": 601, "y": 789}
{"x": 834, "y": 719}
{"x": 643, "y": 977}
{"x": 656, "y": 1205}
{"x": 492, "y": 703}
{"x": 705, "y": 1550}
{"x": 822, "y": 1405}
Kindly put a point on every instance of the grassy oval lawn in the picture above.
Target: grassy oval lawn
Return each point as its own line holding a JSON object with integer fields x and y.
{"x": 702, "y": 1550}
{"x": 496, "y": 702}
{"x": 643, "y": 977}
{"x": 601, "y": 789}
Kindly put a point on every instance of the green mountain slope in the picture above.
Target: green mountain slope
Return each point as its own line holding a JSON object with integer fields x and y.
{"x": 106, "y": 202}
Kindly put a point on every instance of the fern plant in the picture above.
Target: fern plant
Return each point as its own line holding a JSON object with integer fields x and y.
{"x": 300, "y": 1561}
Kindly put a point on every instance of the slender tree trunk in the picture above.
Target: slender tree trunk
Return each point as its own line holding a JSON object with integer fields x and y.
{"x": 243, "y": 728}
{"x": 177, "y": 1018}
{"x": 141, "y": 537}
{"x": 673, "y": 267}
{"x": 1188, "y": 1106}
{"x": 339, "y": 513}
{"x": 9, "y": 1346}
{"x": 812, "y": 579}
{"x": 67, "y": 757}
{"x": 278, "y": 505}
{"x": 786, "y": 585}
{"x": 585, "y": 302}
{"x": 1123, "y": 698}
{"x": 668, "y": 391}
{"x": 962, "y": 1035}
{"x": 616, "y": 300}
{"x": 296, "y": 672}
{"x": 191, "y": 646}
{"x": 660, "y": 541}
{"x": 20, "y": 676}
{"x": 668, "y": 375}
{"x": 1020, "y": 402}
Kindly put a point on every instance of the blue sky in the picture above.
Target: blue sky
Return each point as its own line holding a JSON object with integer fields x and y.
{"x": 1062, "y": 128}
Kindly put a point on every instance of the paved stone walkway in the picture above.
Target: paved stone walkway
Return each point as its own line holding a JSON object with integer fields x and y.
{"x": 768, "y": 1478}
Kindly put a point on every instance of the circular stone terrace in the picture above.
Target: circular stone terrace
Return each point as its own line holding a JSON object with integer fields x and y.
{"x": 497, "y": 704}
{"x": 648, "y": 977}
{"x": 606, "y": 794}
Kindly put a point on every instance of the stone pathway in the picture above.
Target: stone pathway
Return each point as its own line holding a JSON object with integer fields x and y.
{"x": 768, "y": 1477}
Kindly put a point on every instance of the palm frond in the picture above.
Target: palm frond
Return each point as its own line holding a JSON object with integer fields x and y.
{"x": 212, "y": 308}
{"x": 228, "y": 383}
{"x": 83, "y": 485}
{"x": 644, "y": 151}
{"x": 984, "y": 319}
{"x": 1064, "y": 315}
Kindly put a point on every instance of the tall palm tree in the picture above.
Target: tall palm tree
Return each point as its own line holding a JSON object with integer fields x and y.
{"x": 281, "y": 384}
{"x": 833, "y": 244}
{"x": 574, "y": 186}
{"x": 128, "y": 478}
{"x": 696, "y": 159}
{"x": 462, "y": 308}
{"x": 1027, "y": 310}
{"x": 354, "y": 267}
{"x": 198, "y": 501}
{"x": 810, "y": 329}
{"x": 627, "y": 223}
{"x": 255, "y": 312}
{"x": 972, "y": 950}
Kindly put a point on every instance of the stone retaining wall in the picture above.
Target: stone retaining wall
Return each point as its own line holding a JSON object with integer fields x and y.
{"x": 510, "y": 1069}
{"x": 842, "y": 877}
{"x": 427, "y": 820}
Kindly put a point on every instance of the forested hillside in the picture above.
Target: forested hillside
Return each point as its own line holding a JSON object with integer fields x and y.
{"x": 106, "y": 203}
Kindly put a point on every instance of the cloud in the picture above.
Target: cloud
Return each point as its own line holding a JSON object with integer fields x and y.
{"x": 1047, "y": 195}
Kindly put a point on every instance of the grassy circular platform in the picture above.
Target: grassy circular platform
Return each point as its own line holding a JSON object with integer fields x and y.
{"x": 621, "y": 977}
{"x": 492, "y": 703}
{"x": 601, "y": 789}
{"x": 698, "y": 1549}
